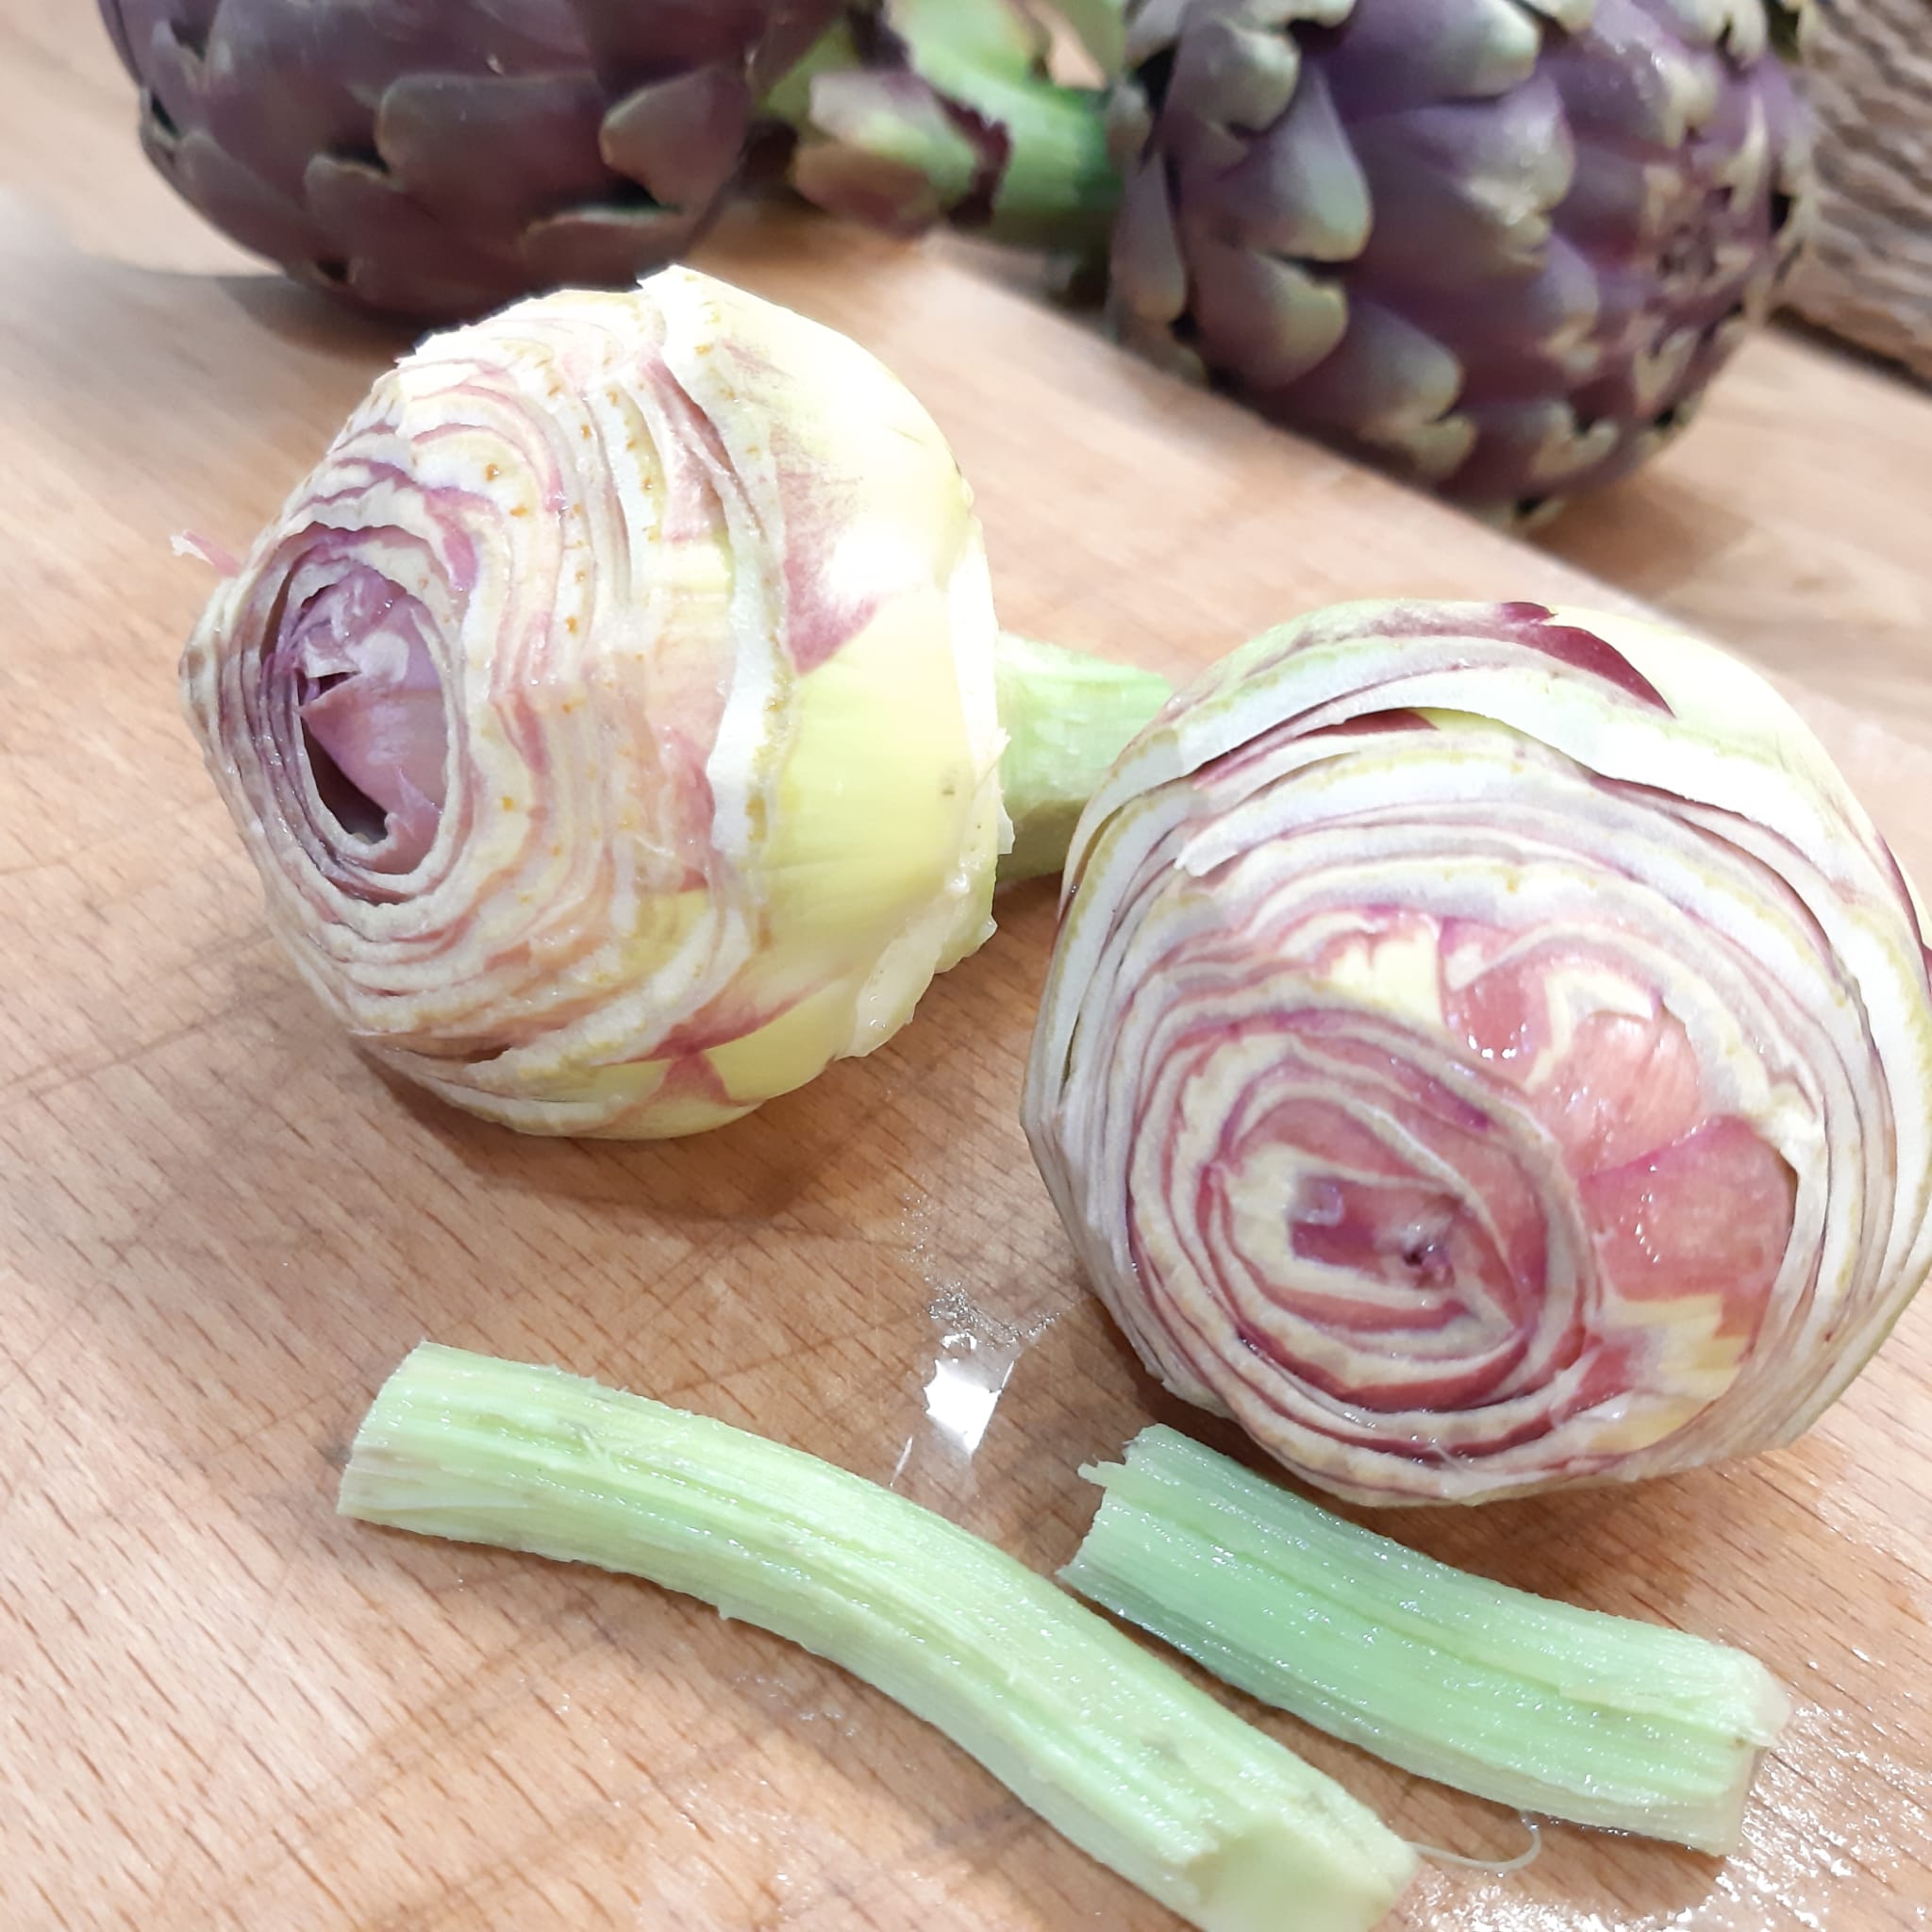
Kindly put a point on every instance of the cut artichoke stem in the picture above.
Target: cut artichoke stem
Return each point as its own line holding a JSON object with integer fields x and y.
{"x": 1112, "y": 1746}
{"x": 1058, "y": 186}
{"x": 1067, "y": 717}
{"x": 977, "y": 68}
{"x": 1570, "y": 1712}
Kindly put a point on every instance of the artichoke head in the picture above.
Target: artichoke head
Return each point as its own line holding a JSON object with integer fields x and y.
{"x": 1497, "y": 247}
{"x": 440, "y": 160}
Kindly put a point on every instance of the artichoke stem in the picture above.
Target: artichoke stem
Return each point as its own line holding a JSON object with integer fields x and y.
{"x": 1106, "y": 1743}
{"x": 958, "y": 120}
{"x": 1058, "y": 187}
{"x": 1067, "y": 718}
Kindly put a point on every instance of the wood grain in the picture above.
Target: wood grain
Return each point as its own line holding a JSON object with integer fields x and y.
{"x": 219, "y": 1228}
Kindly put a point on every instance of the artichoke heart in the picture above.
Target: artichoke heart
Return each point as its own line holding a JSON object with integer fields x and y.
{"x": 1489, "y": 1048}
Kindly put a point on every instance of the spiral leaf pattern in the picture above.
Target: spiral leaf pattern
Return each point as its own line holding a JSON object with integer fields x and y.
{"x": 610, "y": 714}
{"x": 1489, "y": 1048}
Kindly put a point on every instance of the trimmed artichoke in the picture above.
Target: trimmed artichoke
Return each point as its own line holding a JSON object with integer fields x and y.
{"x": 439, "y": 160}
{"x": 1488, "y": 1049}
{"x": 1497, "y": 247}
{"x": 615, "y": 715}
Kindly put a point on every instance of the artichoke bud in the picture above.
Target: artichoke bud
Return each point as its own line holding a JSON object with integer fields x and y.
{"x": 438, "y": 160}
{"x": 1407, "y": 227}
{"x": 1447, "y": 166}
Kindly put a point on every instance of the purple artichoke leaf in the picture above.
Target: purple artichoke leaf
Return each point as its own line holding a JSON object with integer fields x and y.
{"x": 1545, "y": 228}
{"x": 681, "y": 139}
{"x": 441, "y": 160}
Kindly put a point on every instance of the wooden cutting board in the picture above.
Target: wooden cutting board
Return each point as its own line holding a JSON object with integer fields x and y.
{"x": 219, "y": 1230}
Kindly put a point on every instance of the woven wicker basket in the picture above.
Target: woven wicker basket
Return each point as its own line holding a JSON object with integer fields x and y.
{"x": 1870, "y": 275}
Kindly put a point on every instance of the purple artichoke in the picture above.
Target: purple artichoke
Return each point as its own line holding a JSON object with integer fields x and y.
{"x": 1497, "y": 247}
{"x": 440, "y": 158}
{"x": 1500, "y": 248}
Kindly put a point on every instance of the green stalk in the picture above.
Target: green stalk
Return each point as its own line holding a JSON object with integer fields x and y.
{"x": 1137, "y": 1767}
{"x": 1553, "y": 1709}
{"x": 1067, "y": 718}
{"x": 1056, "y": 185}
